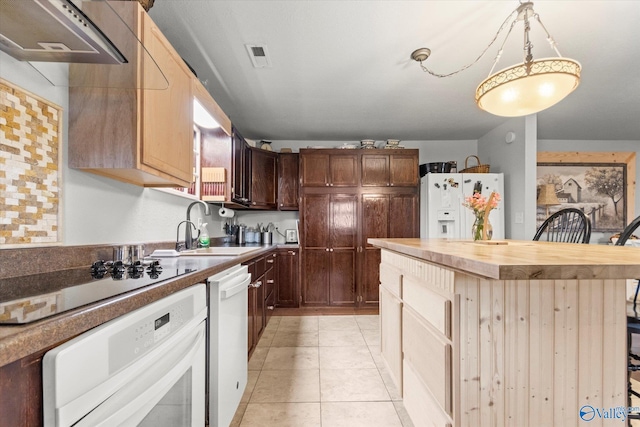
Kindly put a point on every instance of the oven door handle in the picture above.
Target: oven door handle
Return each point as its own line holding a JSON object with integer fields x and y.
{"x": 134, "y": 400}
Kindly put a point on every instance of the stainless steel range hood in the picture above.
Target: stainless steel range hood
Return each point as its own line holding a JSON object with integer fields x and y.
{"x": 53, "y": 31}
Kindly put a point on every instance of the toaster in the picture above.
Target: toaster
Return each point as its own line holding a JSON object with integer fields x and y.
{"x": 291, "y": 236}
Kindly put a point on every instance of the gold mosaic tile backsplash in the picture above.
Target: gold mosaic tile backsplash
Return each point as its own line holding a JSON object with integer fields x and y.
{"x": 29, "y": 168}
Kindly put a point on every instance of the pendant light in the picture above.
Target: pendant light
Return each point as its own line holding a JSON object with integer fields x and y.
{"x": 521, "y": 89}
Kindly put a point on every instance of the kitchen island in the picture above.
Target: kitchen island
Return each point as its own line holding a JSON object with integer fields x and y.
{"x": 520, "y": 333}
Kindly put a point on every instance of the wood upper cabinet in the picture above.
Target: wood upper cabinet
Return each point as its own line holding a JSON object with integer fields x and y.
{"x": 329, "y": 168}
{"x": 390, "y": 170}
{"x": 288, "y": 181}
{"x": 329, "y": 248}
{"x": 128, "y": 123}
{"x": 263, "y": 179}
{"x": 241, "y": 169}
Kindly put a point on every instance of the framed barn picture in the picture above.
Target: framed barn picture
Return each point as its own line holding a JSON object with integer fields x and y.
{"x": 602, "y": 185}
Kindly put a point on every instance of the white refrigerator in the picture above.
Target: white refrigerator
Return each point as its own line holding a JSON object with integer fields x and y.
{"x": 442, "y": 213}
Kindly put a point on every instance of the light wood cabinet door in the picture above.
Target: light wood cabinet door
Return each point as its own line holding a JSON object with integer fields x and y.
{"x": 129, "y": 123}
{"x": 167, "y": 123}
{"x": 391, "y": 334}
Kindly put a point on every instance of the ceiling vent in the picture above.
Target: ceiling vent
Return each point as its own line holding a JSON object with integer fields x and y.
{"x": 259, "y": 55}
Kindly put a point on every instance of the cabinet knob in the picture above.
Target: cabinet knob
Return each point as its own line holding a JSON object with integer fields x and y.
{"x": 257, "y": 284}
{"x": 327, "y": 184}
{"x": 270, "y": 261}
{"x": 331, "y": 250}
{"x": 326, "y": 249}
{"x": 270, "y": 307}
{"x": 291, "y": 252}
{"x": 270, "y": 281}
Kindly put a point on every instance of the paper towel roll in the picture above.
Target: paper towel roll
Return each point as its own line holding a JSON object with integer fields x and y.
{"x": 226, "y": 213}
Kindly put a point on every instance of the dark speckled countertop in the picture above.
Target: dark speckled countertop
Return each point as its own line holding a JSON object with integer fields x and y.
{"x": 17, "y": 341}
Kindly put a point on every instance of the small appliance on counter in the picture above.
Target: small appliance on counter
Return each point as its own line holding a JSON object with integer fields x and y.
{"x": 291, "y": 236}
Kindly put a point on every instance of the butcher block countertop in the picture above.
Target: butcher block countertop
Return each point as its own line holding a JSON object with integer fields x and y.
{"x": 520, "y": 259}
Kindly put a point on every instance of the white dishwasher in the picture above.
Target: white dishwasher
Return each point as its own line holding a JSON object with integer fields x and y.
{"x": 228, "y": 298}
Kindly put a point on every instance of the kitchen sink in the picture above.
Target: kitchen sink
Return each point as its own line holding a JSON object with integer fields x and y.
{"x": 221, "y": 251}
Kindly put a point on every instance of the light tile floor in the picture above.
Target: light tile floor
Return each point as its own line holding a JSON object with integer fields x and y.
{"x": 320, "y": 371}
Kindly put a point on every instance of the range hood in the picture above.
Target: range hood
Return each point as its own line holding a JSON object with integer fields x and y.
{"x": 53, "y": 31}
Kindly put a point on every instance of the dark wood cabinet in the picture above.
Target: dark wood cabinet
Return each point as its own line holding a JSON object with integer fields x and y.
{"x": 253, "y": 175}
{"x": 394, "y": 215}
{"x": 241, "y": 168}
{"x": 288, "y": 181}
{"x": 261, "y": 301}
{"x": 389, "y": 170}
{"x": 262, "y": 193}
{"x": 329, "y": 246}
{"x": 21, "y": 391}
{"x": 338, "y": 266}
{"x": 287, "y": 284}
{"x": 323, "y": 169}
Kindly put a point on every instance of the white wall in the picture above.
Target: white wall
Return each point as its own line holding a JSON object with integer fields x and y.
{"x": 98, "y": 210}
{"x": 517, "y": 162}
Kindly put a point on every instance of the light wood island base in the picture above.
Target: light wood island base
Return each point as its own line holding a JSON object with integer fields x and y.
{"x": 470, "y": 350}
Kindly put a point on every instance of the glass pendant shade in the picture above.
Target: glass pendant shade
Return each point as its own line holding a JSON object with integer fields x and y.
{"x": 528, "y": 88}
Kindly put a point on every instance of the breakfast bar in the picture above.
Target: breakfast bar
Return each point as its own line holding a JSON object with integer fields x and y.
{"x": 509, "y": 333}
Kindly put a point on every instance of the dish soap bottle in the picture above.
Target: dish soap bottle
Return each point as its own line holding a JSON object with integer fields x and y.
{"x": 204, "y": 240}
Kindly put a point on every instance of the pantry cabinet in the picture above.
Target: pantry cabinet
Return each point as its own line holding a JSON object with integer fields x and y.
{"x": 377, "y": 196}
{"x": 132, "y": 123}
{"x": 384, "y": 215}
{"x": 329, "y": 245}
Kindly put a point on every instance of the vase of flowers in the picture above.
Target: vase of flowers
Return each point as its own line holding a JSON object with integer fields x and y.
{"x": 481, "y": 207}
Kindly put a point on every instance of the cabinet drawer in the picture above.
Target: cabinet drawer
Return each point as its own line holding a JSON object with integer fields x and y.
{"x": 430, "y": 357}
{"x": 419, "y": 403}
{"x": 435, "y": 308}
{"x": 260, "y": 266}
{"x": 391, "y": 279}
{"x": 391, "y": 335}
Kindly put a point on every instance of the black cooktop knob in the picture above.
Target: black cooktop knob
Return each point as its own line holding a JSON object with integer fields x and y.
{"x": 154, "y": 269}
{"x": 98, "y": 269}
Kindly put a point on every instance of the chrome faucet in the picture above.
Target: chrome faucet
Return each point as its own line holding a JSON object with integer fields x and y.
{"x": 188, "y": 239}
{"x": 180, "y": 246}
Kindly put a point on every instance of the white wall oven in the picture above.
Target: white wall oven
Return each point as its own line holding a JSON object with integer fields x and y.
{"x": 146, "y": 368}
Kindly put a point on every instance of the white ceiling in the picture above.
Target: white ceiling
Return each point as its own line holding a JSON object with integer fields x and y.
{"x": 341, "y": 69}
